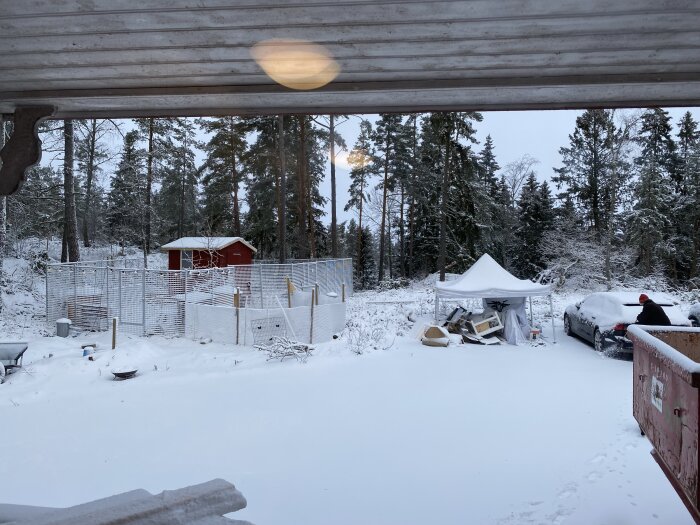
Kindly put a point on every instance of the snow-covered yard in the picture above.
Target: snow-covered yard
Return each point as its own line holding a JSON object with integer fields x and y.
{"x": 402, "y": 434}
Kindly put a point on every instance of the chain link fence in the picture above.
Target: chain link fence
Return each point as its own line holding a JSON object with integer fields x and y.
{"x": 171, "y": 303}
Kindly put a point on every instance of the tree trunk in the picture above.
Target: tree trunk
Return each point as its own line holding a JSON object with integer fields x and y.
{"x": 90, "y": 172}
{"x": 412, "y": 205}
{"x": 402, "y": 251}
{"x": 149, "y": 188}
{"x": 360, "y": 258}
{"x": 234, "y": 181}
{"x": 70, "y": 222}
{"x": 334, "y": 217}
{"x": 302, "y": 237}
{"x": 443, "y": 209}
{"x": 281, "y": 205}
{"x": 383, "y": 222}
{"x": 3, "y": 215}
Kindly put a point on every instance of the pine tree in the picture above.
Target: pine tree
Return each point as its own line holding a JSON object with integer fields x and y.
{"x": 535, "y": 218}
{"x": 650, "y": 224}
{"x": 176, "y": 203}
{"x": 686, "y": 209}
{"x": 361, "y": 170}
{"x": 125, "y": 200}
{"x": 225, "y": 152}
{"x": 71, "y": 249}
{"x": 587, "y": 164}
{"x": 157, "y": 133}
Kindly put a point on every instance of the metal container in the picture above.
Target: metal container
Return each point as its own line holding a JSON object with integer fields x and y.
{"x": 63, "y": 327}
{"x": 666, "y": 403}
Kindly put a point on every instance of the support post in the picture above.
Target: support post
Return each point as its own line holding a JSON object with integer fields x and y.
{"x": 262, "y": 305}
{"x": 317, "y": 290}
{"x": 289, "y": 292}
{"x": 311, "y": 331}
{"x": 342, "y": 290}
{"x": 143, "y": 301}
{"x": 75, "y": 293}
{"x": 530, "y": 300}
{"x": 114, "y": 333}
{"x": 551, "y": 314}
{"x": 23, "y": 149}
{"x": 237, "y": 306}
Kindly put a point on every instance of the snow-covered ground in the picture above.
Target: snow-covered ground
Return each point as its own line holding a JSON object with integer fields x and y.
{"x": 399, "y": 434}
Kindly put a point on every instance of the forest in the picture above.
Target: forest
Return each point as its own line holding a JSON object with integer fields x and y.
{"x": 425, "y": 195}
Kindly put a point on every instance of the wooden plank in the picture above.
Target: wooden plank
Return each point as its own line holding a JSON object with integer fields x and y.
{"x": 563, "y": 96}
{"x": 162, "y": 13}
{"x": 91, "y": 87}
{"x": 399, "y": 31}
{"x": 377, "y": 48}
{"x": 433, "y": 58}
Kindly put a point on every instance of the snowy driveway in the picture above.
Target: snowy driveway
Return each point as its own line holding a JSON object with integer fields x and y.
{"x": 412, "y": 435}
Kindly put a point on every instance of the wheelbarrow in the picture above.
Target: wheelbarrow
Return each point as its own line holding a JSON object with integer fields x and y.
{"x": 11, "y": 353}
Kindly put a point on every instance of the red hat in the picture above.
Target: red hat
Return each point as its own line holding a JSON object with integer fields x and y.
{"x": 643, "y": 298}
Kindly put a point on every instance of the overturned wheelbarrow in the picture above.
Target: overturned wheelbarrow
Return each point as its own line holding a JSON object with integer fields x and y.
{"x": 11, "y": 353}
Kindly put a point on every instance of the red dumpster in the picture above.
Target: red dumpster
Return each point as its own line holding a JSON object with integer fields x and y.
{"x": 667, "y": 403}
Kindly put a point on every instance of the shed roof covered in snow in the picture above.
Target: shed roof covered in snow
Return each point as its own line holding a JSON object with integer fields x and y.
{"x": 487, "y": 278}
{"x": 204, "y": 243}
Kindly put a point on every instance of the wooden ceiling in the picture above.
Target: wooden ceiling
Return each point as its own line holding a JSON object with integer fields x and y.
{"x": 126, "y": 58}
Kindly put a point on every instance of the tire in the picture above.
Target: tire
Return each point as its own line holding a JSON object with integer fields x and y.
{"x": 567, "y": 326}
{"x": 597, "y": 340}
{"x": 695, "y": 322}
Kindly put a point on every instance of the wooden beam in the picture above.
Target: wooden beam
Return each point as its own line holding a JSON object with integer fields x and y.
{"x": 23, "y": 150}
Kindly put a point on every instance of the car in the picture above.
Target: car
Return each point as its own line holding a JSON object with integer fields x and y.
{"x": 602, "y": 318}
{"x": 694, "y": 314}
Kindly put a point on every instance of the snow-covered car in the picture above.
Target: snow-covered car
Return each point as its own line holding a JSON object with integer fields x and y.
{"x": 694, "y": 314}
{"x": 602, "y": 318}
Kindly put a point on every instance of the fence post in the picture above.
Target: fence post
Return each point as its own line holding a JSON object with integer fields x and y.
{"x": 311, "y": 331}
{"x": 143, "y": 298}
{"x": 237, "y": 305}
{"x": 75, "y": 293}
{"x": 342, "y": 288}
{"x": 114, "y": 333}
{"x": 120, "y": 293}
{"x": 289, "y": 292}
{"x": 262, "y": 305}
{"x": 107, "y": 292}
{"x": 316, "y": 288}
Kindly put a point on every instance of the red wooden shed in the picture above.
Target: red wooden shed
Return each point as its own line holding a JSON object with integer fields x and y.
{"x": 208, "y": 252}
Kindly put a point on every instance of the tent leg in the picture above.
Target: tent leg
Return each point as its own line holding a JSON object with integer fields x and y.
{"x": 530, "y": 298}
{"x": 551, "y": 314}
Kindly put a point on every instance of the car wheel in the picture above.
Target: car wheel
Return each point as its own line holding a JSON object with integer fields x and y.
{"x": 567, "y": 325}
{"x": 695, "y": 321}
{"x": 598, "y": 340}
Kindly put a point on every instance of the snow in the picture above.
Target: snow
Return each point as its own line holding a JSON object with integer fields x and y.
{"x": 401, "y": 434}
{"x": 204, "y": 243}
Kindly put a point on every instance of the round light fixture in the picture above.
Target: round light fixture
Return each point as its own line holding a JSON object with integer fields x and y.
{"x": 296, "y": 64}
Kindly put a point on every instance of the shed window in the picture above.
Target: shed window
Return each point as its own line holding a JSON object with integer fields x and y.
{"x": 186, "y": 259}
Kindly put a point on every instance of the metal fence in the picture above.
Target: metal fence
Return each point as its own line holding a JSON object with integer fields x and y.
{"x": 149, "y": 302}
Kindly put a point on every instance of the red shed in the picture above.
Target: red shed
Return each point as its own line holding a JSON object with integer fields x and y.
{"x": 208, "y": 252}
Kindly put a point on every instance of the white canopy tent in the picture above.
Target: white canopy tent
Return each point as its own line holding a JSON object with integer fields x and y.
{"x": 488, "y": 279}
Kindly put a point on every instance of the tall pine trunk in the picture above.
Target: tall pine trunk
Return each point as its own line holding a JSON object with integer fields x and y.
{"x": 3, "y": 215}
{"x": 70, "y": 221}
{"x": 90, "y": 173}
{"x": 334, "y": 217}
{"x": 384, "y": 200}
{"x": 442, "y": 250}
{"x": 302, "y": 238}
{"x": 149, "y": 189}
{"x": 234, "y": 181}
{"x": 281, "y": 203}
{"x": 402, "y": 245}
{"x": 412, "y": 205}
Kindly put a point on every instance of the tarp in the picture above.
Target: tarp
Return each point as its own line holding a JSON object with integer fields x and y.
{"x": 488, "y": 279}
